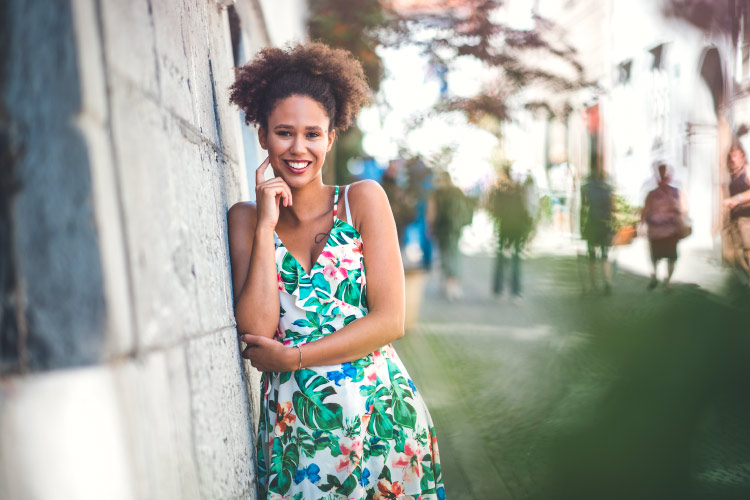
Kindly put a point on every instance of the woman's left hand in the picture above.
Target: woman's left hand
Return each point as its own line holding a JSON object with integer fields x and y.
{"x": 268, "y": 355}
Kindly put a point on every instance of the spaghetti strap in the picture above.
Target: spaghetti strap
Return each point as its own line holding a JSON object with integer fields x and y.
{"x": 335, "y": 203}
{"x": 346, "y": 204}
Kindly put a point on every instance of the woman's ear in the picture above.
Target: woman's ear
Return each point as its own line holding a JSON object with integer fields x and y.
{"x": 331, "y": 137}
{"x": 263, "y": 138}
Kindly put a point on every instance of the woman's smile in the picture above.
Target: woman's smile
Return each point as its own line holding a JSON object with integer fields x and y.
{"x": 297, "y": 166}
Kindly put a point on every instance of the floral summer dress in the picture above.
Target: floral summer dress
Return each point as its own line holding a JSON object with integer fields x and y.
{"x": 356, "y": 430}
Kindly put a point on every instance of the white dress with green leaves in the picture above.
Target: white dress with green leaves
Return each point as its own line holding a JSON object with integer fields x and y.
{"x": 356, "y": 430}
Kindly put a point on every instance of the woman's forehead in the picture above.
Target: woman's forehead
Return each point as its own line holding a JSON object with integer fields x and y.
{"x": 301, "y": 109}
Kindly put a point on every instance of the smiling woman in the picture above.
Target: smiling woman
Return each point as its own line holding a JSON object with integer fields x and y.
{"x": 319, "y": 292}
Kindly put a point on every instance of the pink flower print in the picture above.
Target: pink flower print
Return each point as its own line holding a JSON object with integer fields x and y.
{"x": 284, "y": 417}
{"x": 330, "y": 271}
{"x": 435, "y": 451}
{"x": 276, "y": 496}
{"x": 278, "y": 279}
{"x": 389, "y": 491}
{"x": 366, "y": 417}
{"x": 401, "y": 460}
{"x": 357, "y": 244}
{"x": 280, "y": 334}
{"x": 351, "y": 454}
{"x": 410, "y": 460}
{"x": 371, "y": 372}
{"x": 330, "y": 258}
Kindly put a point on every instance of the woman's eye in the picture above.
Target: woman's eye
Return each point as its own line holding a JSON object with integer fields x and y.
{"x": 284, "y": 133}
{"x": 313, "y": 135}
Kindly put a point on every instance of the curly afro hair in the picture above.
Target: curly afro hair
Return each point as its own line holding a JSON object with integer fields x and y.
{"x": 329, "y": 76}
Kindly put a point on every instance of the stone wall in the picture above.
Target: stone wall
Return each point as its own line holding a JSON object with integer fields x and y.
{"x": 120, "y": 374}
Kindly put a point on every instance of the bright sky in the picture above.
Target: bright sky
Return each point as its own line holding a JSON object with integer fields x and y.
{"x": 410, "y": 88}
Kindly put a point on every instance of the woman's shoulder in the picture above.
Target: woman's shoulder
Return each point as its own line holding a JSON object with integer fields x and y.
{"x": 367, "y": 200}
{"x": 366, "y": 188}
{"x": 367, "y": 195}
{"x": 242, "y": 216}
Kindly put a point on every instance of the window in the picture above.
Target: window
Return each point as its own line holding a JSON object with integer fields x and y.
{"x": 623, "y": 71}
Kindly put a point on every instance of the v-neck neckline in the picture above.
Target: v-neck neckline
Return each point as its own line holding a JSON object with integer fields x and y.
{"x": 328, "y": 239}
{"x": 316, "y": 262}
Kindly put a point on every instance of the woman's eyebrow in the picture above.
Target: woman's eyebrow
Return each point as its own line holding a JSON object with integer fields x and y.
{"x": 309, "y": 127}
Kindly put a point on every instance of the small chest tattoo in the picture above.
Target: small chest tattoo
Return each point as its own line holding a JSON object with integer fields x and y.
{"x": 320, "y": 237}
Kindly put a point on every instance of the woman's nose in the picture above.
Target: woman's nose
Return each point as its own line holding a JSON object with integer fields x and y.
{"x": 298, "y": 145}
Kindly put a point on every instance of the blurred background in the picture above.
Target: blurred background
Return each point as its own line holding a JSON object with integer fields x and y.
{"x": 517, "y": 140}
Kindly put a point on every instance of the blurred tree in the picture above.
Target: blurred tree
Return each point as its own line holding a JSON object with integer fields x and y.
{"x": 352, "y": 25}
{"x": 450, "y": 29}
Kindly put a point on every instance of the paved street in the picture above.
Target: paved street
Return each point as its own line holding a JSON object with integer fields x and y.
{"x": 567, "y": 395}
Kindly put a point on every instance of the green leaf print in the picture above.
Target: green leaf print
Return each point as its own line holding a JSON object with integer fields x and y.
{"x": 309, "y": 402}
{"x": 331, "y": 482}
{"x": 385, "y": 473}
{"x": 343, "y": 233}
{"x": 378, "y": 447}
{"x": 352, "y": 428}
{"x": 283, "y": 466}
{"x": 403, "y": 412}
{"x": 313, "y": 321}
{"x": 289, "y": 275}
{"x": 320, "y": 283}
{"x": 284, "y": 377}
{"x": 305, "y": 442}
{"x": 348, "y": 485}
{"x": 381, "y": 424}
{"x": 348, "y": 291}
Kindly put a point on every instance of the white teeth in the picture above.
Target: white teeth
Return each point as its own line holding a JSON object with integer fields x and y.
{"x": 298, "y": 165}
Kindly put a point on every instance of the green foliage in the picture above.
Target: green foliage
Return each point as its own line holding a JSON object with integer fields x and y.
{"x": 352, "y": 25}
{"x": 625, "y": 214}
{"x": 309, "y": 403}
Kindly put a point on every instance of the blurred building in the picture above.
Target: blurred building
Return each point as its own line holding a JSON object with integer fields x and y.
{"x": 120, "y": 373}
{"x": 664, "y": 80}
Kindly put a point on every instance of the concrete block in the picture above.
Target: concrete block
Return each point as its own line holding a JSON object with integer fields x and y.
{"x": 220, "y": 46}
{"x": 62, "y": 438}
{"x": 221, "y": 421}
{"x": 155, "y": 392}
{"x": 129, "y": 42}
{"x": 172, "y": 48}
{"x": 157, "y": 231}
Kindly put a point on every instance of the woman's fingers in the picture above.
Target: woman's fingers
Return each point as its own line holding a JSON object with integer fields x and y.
{"x": 275, "y": 187}
{"x": 261, "y": 171}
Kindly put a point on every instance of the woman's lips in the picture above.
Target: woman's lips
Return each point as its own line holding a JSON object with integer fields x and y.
{"x": 297, "y": 166}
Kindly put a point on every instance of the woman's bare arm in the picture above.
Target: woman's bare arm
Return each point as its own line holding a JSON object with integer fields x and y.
{"x": 253, "y": 259}
{"x": 384, "y": 322}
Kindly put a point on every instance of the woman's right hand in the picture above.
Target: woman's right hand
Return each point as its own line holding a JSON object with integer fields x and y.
{"x": 268, "y": 195}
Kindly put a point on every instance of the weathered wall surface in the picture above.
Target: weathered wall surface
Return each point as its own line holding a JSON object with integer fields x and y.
{"x": 120, "y": 374}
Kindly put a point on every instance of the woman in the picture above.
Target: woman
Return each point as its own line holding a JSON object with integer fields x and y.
{"x": 739, "y": 203}
{"x": 319, "y": 290}
{"x": 664, "y": 211}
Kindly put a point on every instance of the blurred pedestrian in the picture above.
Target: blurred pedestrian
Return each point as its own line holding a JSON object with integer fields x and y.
{"x": 738, "y": 204}
{"x": 597, "y": 227}
{"x": 453, "y": 210}
{"x": 664, "y": 213}
{"x": 509, "y": 206}
{"x": 319, "y": 288}
{"x": 402, "y": 200}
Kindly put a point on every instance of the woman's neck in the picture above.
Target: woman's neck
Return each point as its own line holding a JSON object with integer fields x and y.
{"x": 308, "y": 203}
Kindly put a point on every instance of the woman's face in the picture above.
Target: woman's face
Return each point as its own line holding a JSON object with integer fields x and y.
{"x": 737, "y": 157}
{"x": 297, "y": 139}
